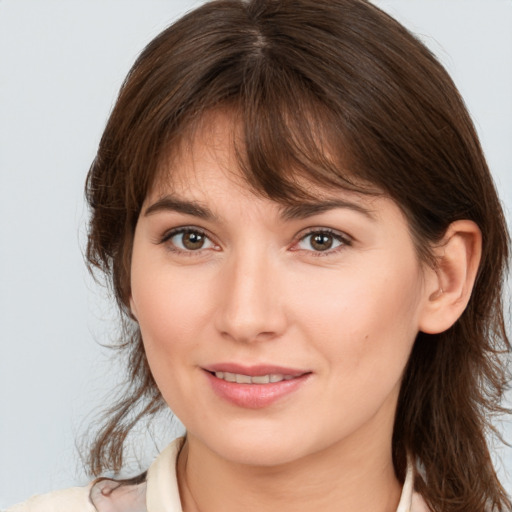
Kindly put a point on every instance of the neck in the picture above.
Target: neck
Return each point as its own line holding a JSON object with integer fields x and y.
{"x": 337, "y": 479}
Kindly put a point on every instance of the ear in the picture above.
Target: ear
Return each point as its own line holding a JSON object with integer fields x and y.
{"x": 448, "y": 286}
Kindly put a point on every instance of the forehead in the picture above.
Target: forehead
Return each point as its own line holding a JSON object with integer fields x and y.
{"x": 208, "y": 167}
{"x": 203, "y": 163}
{"x": 205, "y": 181}
{"x": 212, "y": 154}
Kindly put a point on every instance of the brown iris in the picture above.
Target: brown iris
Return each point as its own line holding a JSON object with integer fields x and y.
{"x": 193, "y": 240}
{"x": 321, "y": 241}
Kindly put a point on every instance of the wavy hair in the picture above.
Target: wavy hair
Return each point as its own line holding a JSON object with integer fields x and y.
{"x": 301, "y": 76}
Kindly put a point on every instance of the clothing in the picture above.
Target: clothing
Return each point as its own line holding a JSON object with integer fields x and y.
{"x": 158, "y": 494}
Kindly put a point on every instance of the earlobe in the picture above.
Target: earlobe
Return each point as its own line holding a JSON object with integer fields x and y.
{"x": 450, "y": 284}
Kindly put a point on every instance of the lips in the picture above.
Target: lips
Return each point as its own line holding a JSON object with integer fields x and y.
{"x": 254, "y": 370}
{"x": 254, "y": 387}
{"x": 241, "y": 378}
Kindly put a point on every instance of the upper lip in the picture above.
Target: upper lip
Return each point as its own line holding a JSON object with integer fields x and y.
{"x": 254, "y": 370}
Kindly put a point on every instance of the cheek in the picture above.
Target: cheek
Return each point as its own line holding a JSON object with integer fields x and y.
{"x": 169, "y": 310}
{"x": 168, "y": 313}
{"x": 174, "y": 313}
{"x": 360, "y": 316}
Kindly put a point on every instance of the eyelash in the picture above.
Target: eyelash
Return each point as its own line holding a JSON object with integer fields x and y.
{"x": 181, "y": 231}
{"x": 344, "y": 240}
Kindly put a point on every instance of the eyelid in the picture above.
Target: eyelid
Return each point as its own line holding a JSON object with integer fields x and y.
{"x": 344, "y": 238}
{"x": 170, "y": 233}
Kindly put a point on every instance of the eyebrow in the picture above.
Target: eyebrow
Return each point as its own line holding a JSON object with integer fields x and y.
{"x": 289, "y": 212}
{"x": 170, "y": 203}
{"x": 308, "y": 209}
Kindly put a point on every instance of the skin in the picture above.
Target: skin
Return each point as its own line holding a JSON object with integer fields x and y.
{"x": 259, "y": 292}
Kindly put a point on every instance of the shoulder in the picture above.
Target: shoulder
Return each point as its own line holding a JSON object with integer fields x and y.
{"x": 105, "y": 495}
{"x": 74, "y": 499}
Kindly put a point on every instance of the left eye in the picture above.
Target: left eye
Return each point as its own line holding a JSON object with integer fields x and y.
{"x": 190, "y": 240}
{"x": 320, "y": 241}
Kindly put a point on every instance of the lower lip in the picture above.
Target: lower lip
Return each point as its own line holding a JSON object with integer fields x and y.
{"x": 255, "y": 396}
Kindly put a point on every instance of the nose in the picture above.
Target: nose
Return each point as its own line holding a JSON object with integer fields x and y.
{"x": 251, "y": 299}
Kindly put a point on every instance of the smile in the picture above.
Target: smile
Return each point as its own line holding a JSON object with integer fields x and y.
{"x": 240, "y": 378}
{"x": 254, "y": 387}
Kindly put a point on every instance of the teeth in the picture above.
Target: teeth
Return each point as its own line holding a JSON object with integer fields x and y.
{"x": 260, "y": 379}
{"x": 248, "y": 379}
{"x": 242, "y": 379}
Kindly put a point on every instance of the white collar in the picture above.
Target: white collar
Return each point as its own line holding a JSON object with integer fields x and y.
{"x": 162, "y": 494}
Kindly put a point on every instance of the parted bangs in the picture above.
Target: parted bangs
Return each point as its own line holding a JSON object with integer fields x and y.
{"x": 324, "y": 95}
{"x": 286, "y": 148}
{"x": 334, "y": 104}
{"x": 290, "y": 140}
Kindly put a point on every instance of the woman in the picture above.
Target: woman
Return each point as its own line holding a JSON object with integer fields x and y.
{"x": 299, "y": 225}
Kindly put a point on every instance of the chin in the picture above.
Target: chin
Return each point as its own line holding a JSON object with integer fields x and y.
{"x": 260, "y": 454}
{"x": 259, "y": 447}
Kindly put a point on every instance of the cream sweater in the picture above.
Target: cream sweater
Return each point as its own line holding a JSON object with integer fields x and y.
{"x": 158, "y": 494}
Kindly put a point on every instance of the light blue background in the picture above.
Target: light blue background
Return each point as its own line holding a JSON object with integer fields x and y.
{"x": 61, "y": 65}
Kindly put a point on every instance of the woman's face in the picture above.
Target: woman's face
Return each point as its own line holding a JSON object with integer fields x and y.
{"x": 312, "y": 310}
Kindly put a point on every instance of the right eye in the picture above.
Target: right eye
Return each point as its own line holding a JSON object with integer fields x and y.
{"x": 188, "y": 240}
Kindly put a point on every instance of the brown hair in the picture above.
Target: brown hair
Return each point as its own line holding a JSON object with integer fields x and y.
{"x": 303, "y": 75}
